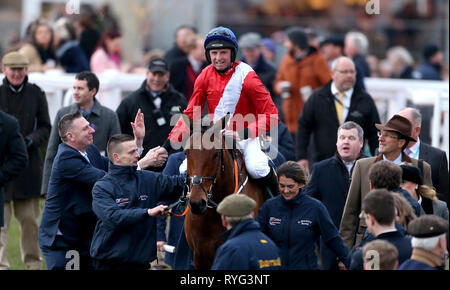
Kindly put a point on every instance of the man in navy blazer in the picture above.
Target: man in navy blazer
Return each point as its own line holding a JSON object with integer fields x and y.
{"x": 379, "y": 213}
{"x": 331, "y": 178}
{"x": 433, "y": 156}
{"x": 68, "y": 221}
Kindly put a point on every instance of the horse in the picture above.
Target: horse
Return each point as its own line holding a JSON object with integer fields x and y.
{"x": 213, "y": 174}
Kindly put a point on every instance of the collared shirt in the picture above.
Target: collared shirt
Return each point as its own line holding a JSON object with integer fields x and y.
{"x": 349, "y": 165}
{"x": 156, "y": 99}
{"x": 414, "y": 150}
{"x": 346, "y": 99}
{"x": 196, "y": 65}
{"x": 85, "y": 156}
{"x": 397, "y": 160}
{"x": 420, "y": 200}
{"x": 387, "y": 231}
{"x": 87, "y": 112}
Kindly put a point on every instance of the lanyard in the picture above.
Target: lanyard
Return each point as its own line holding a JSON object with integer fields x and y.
{"x": 416, "y": 155}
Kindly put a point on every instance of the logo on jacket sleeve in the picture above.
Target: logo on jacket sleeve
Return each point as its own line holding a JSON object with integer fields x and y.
{"x": 274, "y": 221}
{"x": 143, "y": 197}
{"x": 122, "y": 201}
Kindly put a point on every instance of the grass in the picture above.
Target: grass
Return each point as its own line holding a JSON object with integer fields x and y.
{"x": 13, "y": 249}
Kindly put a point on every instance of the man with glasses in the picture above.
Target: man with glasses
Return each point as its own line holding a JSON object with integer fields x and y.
{"x": 394, "y": 137}
{"x": 329, "y": 107}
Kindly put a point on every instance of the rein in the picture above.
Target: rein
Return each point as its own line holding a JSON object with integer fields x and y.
{"x": 198, "y": 180}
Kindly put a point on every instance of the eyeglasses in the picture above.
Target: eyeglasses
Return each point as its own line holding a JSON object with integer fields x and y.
{"x": 346, "y": 71}
{"x": 379, "y": 134}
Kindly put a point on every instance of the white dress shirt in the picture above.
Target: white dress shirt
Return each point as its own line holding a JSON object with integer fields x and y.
{"x": 346, "y": 99}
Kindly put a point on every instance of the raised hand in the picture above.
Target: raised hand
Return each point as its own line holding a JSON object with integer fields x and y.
{"x": 139, "y": 128}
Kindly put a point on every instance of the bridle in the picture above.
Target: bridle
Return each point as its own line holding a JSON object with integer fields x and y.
{"x": 198, "y": 181}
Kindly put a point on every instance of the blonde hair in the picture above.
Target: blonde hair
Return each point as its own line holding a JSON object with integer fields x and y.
{"x": 404, "y": 209}
{"x": 427, "y": 192}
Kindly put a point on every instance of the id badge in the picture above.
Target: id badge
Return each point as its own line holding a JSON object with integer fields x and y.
{"x": 161, "y": 121}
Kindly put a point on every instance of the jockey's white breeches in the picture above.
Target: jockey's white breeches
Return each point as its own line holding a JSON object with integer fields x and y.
{"x": 256, "y": 161}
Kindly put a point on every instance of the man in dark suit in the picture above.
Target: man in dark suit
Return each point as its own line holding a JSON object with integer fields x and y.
{"x": 330, "y": 106}
{"x": 13, "y": 153}
{"x": 432, "y": 155}
{"x": 68, "y": 221}
{"x": 331, "y": 178}
{"x": 379, "y": 214}
{"x": 103, "y": 119}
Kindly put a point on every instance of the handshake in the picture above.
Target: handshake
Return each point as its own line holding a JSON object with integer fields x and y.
{"x": 155, "y": 157}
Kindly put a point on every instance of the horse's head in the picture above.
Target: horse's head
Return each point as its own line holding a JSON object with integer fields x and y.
{"x": 205, "y": 163}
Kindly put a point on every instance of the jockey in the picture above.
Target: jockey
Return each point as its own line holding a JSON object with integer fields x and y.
{"x": 230, "y": 86}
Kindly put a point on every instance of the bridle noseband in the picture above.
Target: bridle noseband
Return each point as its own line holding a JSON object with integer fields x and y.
{"x": 198, "y": 181}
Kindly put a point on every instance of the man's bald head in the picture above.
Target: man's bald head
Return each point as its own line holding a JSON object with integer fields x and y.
{"x": 344, "y": 73}
{"x": 415, "y": 117}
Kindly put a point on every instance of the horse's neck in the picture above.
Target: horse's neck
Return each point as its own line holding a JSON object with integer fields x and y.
{"x": 229, "y": 173}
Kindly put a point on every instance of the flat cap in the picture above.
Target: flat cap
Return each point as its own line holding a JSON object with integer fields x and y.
{"x": 15, "y": 59}
{"x": 236, "y": 205}
{"x": 250, "y": 40}
{"x": 427, "y": 226}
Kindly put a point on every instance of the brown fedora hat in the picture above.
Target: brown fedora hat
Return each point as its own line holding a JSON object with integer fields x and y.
{"x": 398, "y": 124}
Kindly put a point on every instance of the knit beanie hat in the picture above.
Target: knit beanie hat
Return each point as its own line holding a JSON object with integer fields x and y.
{"x": 298, "y": 36}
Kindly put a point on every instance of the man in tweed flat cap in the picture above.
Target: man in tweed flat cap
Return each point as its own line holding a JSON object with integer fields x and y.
{"x": 428, "y": 242}
{"x": 245, "y": 247}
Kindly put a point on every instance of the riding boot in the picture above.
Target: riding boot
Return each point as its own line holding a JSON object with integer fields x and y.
{"x": 270, "y": 182}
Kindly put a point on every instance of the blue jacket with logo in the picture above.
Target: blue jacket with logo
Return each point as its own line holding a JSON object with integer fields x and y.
{"x": 247, "y": 248}
{"x": 125, "y": 232}
{"x": 295, "y": 226}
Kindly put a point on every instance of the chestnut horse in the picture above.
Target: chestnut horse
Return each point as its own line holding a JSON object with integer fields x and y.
{"x": 213, "y": 174}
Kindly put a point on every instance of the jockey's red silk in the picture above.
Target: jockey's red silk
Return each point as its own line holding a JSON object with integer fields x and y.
{"x": 238, "y": 91}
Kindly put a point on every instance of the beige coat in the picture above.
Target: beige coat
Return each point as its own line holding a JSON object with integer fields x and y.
{"x": 31, "y": 53}
{"x": 359, "y": 187}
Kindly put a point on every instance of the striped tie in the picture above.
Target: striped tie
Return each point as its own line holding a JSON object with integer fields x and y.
{"x": 407, "y": 151}
{"x": 340, "y": 107}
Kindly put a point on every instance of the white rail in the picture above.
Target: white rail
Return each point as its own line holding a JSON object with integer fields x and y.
{"x": 390, "y": 96}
